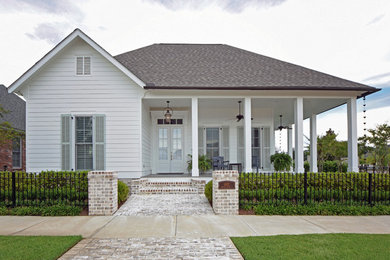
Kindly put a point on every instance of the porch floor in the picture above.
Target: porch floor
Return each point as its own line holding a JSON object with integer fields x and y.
{"x": 179, "y": 175}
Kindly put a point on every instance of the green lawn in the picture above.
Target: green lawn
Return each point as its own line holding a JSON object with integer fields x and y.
{"x": 320, "y": 246}
{"x": 35, "y": 247}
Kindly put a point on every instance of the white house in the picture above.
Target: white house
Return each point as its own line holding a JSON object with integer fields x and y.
{"x": 87, "y": 109}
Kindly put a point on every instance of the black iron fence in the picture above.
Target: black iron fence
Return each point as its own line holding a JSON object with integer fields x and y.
{"x": 303, "y": 188}
{"x": 44, "y": 188}
{"x": 374, "y": 169}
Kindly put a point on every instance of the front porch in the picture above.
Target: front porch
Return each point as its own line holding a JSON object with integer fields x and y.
{"x": 208, "y": 125}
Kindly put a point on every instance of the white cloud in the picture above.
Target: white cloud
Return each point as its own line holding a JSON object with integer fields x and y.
{"x": 53, "y": 33}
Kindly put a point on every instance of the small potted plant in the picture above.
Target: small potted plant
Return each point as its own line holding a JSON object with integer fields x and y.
{"x": 204, "y": 163}
{"x": 281, "y": 161}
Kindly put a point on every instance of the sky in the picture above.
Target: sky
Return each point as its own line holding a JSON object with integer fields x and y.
{"x": 346, "y": 38}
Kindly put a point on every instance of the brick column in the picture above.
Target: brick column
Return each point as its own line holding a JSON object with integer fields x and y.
{"x": 102, "y": 193}
{"x": 225, "y": 192}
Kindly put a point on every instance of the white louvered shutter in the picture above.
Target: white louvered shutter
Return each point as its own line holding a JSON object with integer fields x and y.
{"x": 100, "y": 126}
{"x": 87, "y": 65}
{"x": 79, "y": 66}
{"x": 66, "y": 128}
{"x": 200, "y": 141}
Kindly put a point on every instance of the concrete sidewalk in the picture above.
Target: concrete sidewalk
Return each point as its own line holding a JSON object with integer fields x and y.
{"x": 191, "y": 226}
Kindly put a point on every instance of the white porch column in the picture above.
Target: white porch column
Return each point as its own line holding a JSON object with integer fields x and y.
{"x": 289, "y": 141}
{"x": 313, "y": 143}
{"x": 353, "y": 158}
{"x": 248, "y": 134}
{"x": 194, "y": 125}
{"x": 298, "y": 116}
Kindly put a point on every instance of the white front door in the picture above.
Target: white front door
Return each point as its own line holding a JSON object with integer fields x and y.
{"x": 170, "y": 149}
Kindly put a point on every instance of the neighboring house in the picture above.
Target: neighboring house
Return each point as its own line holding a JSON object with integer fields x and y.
{"x": 89, "y": 110}
{"x": 12, "y": 151}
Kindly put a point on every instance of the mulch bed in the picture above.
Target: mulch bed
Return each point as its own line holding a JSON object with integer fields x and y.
{"x": 246, "y": 212}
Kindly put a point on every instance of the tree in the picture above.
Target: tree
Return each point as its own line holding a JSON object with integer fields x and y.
{"x": 7, "y": 132}
{"x": 379, "y": 141}
{"x": 329, "y": 149}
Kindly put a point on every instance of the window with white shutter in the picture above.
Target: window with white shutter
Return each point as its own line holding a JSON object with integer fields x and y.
{"x": 66, "y": 128}
{"x": 83, "y": 65}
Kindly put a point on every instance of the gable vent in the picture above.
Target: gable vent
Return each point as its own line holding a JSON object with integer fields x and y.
{"x": 83, "y": 65}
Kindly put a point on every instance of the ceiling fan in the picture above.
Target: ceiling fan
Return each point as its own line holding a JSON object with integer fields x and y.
{"x": 239, "y": 116}
{"x": 281, "y": 126}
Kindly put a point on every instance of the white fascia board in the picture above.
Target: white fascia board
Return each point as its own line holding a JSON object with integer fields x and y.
{"x": 60, "y": 46}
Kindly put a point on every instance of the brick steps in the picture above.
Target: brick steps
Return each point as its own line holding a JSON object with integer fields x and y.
{"x": 166, "y": 186}
{"x": 168, "y": 190}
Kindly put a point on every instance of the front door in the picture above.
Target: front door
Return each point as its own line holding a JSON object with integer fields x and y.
{"x": 170, "y": 149}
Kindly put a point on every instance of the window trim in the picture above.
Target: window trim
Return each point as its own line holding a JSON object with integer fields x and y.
{"x": 83, "y": 62}
{"x": 20, "y": 154}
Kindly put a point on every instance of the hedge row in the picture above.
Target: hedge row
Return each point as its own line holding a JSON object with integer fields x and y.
{"x": 316, "y": 195}
{"x": 332, "y": 181}
{"x": 287, "y": 208}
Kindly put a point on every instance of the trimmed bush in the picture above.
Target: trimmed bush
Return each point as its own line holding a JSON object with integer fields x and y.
{"x": 287, "y": 208}
{"x": 328, "y": 180}
{"x": 57, "y": 210}
{"x": 123, "y": 192}
{"x": 208, "y": 191}
{"x": 45, "y": 188}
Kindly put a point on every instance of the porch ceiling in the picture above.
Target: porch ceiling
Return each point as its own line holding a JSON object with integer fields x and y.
{"x": 280, "y": 106}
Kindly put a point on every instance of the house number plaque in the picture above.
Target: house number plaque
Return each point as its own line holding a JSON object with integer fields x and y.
{"x": 226, "y": 185}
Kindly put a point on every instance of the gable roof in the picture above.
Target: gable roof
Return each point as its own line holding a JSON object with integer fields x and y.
{"x": 16, "y": 107}
{"x": 219, "y": 66}
{"x": 76, "y": 33}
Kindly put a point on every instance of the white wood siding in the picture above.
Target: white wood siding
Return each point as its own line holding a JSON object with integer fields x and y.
{"x": 146, "y": 140}
{"x": 56, "y": 90}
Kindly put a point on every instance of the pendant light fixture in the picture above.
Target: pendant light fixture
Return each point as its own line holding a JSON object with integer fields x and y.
{"x": 168, "y": 113}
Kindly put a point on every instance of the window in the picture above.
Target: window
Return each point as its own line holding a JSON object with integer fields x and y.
{"x": 17, "y": 153}
{"x": 83, "y": 65}
{"x": 161, "y": 121}
{"x": 261, "y": 137}
{"x": 84, "y": 143}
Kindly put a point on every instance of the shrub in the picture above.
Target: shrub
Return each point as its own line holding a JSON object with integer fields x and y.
{"x": 287, "y": 208}
{"x": 208, "y": 191}
{"x": 57, "y": 210}
{"x": 123, "y": 192}
{"x": 281, "y": 161}
{"x": 330, "y": 166}
{"x": 306, "y": 165}
{"x": 204, "y": 163}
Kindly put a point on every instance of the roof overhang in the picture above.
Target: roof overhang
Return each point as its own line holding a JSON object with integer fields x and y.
{"x": 60, "y": 46}
{"x": 364, "y": 91}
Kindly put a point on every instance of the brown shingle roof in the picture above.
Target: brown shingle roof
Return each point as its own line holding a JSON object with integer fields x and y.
{"x": 219, "y": 66}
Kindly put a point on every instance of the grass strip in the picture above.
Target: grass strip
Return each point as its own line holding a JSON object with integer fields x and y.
{"x": 35, "y": 247}
{"x": 315, "y": 246}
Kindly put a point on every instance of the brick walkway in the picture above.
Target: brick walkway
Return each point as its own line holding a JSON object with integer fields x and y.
{"x": 166, "y": 205}
{"x": 154, "y": 248}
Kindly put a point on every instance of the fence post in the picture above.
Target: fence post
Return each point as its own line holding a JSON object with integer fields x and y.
{"x": 370, "y": 188}
{"x": 13, "y": 189}
{"x": 305, "y": 187}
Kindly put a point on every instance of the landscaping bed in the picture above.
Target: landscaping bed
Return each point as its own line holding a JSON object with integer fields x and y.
{"x": 35, "y": 247}
{"x": 315, "y": 246}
